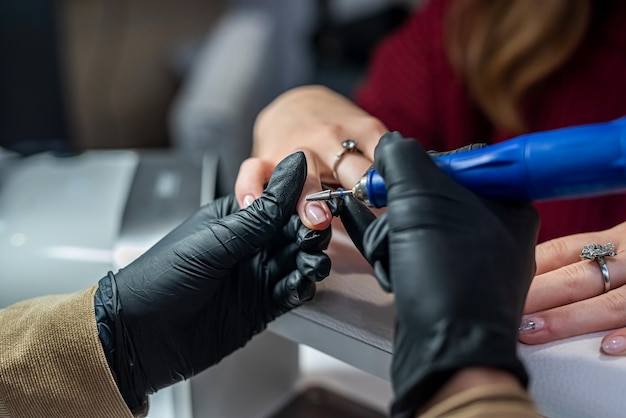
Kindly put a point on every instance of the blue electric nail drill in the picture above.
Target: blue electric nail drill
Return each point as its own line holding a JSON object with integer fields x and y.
{"x": 579, "y": 161}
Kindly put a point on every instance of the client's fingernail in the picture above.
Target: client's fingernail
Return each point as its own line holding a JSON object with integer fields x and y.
{"x": 614, "y": 345}
{"x": 530, "y": 325}
{"x": 247, "y": 200}
{"x": 315, "y": 213}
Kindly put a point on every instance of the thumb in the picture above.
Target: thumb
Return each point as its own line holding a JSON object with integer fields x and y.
{"x": 284, "y": 188}
{"x": 405, "y": 166}
{"x": 243, "y": 233}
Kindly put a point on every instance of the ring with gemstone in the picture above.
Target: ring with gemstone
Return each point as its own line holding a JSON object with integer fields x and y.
{"x": 598, "y": 252}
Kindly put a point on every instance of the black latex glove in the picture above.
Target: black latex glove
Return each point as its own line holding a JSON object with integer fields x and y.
{"x": 356, "y": 217}
{"x": 209, "y": 286}
{"x": 459, "y": 266}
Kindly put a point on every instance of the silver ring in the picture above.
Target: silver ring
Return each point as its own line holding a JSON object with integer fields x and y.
{"x": 598, "y": 252}
{"x": 348, "y": 146}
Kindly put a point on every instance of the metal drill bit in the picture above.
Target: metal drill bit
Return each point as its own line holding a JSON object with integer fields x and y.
{"x": 329, "y": 194}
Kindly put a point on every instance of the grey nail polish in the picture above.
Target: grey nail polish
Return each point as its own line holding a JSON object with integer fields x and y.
{"x": 530, "y": 325}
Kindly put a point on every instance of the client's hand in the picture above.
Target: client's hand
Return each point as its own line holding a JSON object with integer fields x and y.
{"x": 568, "y": 297}
{"x": 315, "y": 120}
{"x": 209, "y": 286}
{"x": 459, "y": 266}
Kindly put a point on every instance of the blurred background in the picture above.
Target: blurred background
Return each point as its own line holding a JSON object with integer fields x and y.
{"x": 118, "y": 118}
{"x": 94, "y": 74}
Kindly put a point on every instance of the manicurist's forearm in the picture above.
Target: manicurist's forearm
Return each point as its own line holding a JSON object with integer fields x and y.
{"x": 51, "y": 360}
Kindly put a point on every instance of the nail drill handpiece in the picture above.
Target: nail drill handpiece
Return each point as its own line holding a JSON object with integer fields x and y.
{"x": 579, "y": 161}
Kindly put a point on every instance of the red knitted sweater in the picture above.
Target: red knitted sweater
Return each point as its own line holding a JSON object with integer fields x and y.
{"x": 412, "y": 88}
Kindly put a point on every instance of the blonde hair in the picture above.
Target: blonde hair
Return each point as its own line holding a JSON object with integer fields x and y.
{"x": 503, "y": 47}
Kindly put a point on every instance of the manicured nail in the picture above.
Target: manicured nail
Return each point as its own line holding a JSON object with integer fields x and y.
{"x": 315, "y": 214}
{"x": 530, "y": 325}
{"x": 614, "y": 345}
{"x": 247, "y": 200}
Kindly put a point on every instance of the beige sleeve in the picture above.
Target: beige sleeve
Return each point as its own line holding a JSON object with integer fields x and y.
{"x": 52, "y": 363}
{"x": 486, "y": 401}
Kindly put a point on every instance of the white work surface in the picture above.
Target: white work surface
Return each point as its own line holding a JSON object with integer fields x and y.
{"x": 351, "y": 319}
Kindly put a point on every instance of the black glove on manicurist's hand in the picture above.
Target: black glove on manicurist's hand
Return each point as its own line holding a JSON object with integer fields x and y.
{"x": 459, "y": 266}
{"x": 356, "y": 217}
{"x": 209, "y": 286}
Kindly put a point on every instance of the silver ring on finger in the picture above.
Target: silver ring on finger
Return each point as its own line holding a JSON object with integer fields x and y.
{"x": 597, "y": 252}
{"x": 347, "y": 146}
